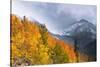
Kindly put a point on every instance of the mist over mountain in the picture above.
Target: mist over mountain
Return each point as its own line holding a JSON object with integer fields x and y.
{"x": 81, "y": 26}
{"x": 84, "y": 33}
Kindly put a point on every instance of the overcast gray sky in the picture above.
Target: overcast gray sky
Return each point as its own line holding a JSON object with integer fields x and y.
{"x": 56, "y": 16}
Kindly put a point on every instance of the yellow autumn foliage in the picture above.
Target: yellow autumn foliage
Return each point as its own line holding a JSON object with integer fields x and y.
{"x": 31, "y": 44}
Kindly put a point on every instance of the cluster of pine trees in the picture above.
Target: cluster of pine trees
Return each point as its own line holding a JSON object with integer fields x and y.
{"x": 32, "y": 44}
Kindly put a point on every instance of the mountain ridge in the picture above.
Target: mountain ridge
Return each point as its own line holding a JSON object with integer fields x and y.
{"x": 84, "y": 33}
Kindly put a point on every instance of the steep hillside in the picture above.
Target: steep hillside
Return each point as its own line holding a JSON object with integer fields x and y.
{"x": 32, "y": 44}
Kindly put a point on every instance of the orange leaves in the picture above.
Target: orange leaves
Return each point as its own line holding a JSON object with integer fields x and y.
{"x": 51, "y": 41}
{"x": 69, "y": 50}
{"x": 32, "y": 43}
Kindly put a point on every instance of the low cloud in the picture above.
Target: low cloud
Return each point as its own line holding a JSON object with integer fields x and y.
{"x": 56, "y": 16}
